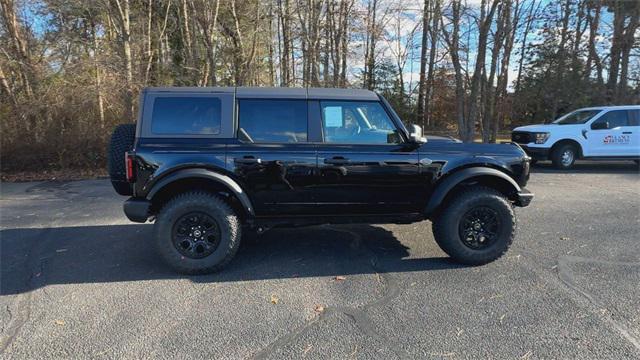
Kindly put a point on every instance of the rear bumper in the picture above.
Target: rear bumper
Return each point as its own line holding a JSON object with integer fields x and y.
{"x": 523, "y": 198}
{"x": 137, "y": 210}
{"x": 536, "y": 153}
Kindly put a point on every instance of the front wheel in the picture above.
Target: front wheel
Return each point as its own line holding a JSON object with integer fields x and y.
{"x": 197, "y": 233}
{"x": 476, "y": 227}
{"x": 564, "y": 156}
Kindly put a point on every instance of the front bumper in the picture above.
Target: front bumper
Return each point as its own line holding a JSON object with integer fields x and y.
{"x": 536, "y": 153}
{"x": 523, "y": 198}
{"x": 137, "y": 210}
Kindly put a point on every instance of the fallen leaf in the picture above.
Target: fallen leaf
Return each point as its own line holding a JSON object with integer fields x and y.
{"x": 60, "y": 322}
{"x": 319, "y": 308}
{"x": 340, "y": 278}
{"x": 274, "y": 299}
{"x": 527, "y": 355}
{"x": 355, "y": 350}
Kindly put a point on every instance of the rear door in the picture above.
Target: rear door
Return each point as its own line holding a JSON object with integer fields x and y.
{"x": 634, "y": 130}
{"x": 365, "y": 166}
{"x": 617, "y": 139}
{"x": 272, "y": 157}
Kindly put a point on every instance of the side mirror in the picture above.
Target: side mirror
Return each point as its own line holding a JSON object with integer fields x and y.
{"x": 601, "y": 125}
{"x": 415, "y": 134}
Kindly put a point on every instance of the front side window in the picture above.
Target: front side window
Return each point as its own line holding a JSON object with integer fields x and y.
{"x": 615, "y": 118}
{"x": 183, "y": 115}
{"x": 272, "y": 121}
{"x": 577, "y": 117}
{"x": 351, "y": 122}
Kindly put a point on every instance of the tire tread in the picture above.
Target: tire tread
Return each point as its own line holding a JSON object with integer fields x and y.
{"x": 443, "y": 237}
{"x": 199, "y": 198}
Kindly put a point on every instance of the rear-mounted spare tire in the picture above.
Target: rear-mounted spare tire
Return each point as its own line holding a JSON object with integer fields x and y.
{"x": 121, "y": 141}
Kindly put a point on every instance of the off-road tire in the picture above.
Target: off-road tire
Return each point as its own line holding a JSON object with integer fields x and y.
{"x": 446, "y": 226}
{"x": 227, "y": 221}
{"x": 121, "y": 141}
{"x": 556, "y": 156}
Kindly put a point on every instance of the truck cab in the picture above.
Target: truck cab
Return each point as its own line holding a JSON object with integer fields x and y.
{"x": 595, "y": 133}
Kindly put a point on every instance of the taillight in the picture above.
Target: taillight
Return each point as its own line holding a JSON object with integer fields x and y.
{"x": 129, "y": 167}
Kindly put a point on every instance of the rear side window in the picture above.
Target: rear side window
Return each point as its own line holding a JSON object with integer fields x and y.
{"x": 186, "y": 115}
{"x": 634, "y": 117}
{"x": 615, "y": 118}
{"x": 272, "y": 121}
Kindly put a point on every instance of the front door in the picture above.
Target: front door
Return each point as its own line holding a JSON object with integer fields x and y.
{"x": 272, "y": 158}
{"x": 365, "y": 166}
{"x": 617, "y": 138}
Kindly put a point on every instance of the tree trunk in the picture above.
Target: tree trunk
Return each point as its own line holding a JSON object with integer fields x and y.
{"x": 422, "y": 86}
{"x": 123, "y": 11}
{"x": 533, "y": 10}
{"x": 504, "y": 10}
{"x": 432, "y": 59}
{"x": 593, "y": 57}
{"x": 483, "y": 30}
{"x": 616, "y": 48}
{"x": 283, "y": 13}
{"x": 627, "y": 44}
{"x": 453, "y": 43}
{"x": 96, "y": 64}
{"x": 371, "y": 49}
{"x": 20, "y": 45}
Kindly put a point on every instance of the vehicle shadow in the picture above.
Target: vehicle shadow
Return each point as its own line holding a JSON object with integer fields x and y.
{"x": 590, "y": 167}
{"x": 33, "y": 258}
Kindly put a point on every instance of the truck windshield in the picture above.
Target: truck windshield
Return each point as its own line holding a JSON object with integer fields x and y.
{"x": 577, "y": 117}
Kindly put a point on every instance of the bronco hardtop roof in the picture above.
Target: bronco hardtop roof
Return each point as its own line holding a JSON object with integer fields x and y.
{"x": 277, "y": 92}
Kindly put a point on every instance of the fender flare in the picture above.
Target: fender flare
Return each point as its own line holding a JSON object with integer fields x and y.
{"x": 442, "y": 188}
{"x": 204, "y": 174}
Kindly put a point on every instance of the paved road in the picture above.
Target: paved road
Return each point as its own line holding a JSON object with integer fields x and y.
{"x": 79, "y": 281}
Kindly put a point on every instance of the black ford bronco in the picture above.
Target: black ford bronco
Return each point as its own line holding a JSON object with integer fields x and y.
{"x": 209, "y": 163}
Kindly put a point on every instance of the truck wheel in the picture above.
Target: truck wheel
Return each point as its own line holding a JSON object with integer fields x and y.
{"x": 476, "y": 227}
{"x": 564, "y": 156}
{"x": 121, "y": 141}
{"x": 197, "y": 233}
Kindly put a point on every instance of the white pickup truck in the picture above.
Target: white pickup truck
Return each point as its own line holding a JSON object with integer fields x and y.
{"x": 596, "y": 133}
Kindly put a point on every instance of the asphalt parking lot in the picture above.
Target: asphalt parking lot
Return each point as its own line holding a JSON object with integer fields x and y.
{"x": 78, "y": 280}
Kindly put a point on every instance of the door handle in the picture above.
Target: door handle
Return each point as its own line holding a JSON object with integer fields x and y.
{"x": 627, "y": 132}
{"x": 247, "y": 160}
{"x": 337, "y": 160}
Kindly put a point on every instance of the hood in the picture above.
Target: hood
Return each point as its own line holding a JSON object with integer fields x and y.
{"x": 535, "y": 128}
{"x": 434, "y": 138}
{"x": 460, "y": 149}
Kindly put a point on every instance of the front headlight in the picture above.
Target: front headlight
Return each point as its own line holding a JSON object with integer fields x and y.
{"x": 541, "y": 138}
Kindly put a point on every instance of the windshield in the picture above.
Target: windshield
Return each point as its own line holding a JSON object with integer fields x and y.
{"x": 577, "y": 117}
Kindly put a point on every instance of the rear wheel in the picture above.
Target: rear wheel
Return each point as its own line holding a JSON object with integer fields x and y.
{"x": 564, "y": 156}
{"x": 476, "y": 227}
{"x": 197, "y": 233}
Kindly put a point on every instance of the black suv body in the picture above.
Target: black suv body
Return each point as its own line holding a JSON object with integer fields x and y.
{"x": 206, "y": 163}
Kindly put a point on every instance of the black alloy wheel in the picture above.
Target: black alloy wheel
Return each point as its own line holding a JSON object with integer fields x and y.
{"x": 196, "y": 235}
{"x": 479, "y": 227}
